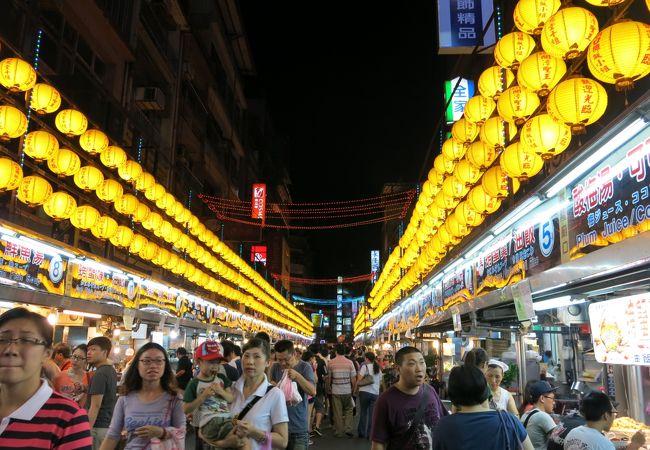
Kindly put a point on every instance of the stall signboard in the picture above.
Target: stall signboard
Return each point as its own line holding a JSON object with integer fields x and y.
{"x": 612, "y": 202}
{"x": 457, "y": 92}
{"x": 620, "y": 330}
{"x": 90, "y": 282}
{"x": 29, "y": 266}
{"x": 461, "y": 24}
{"x": 159, "y": 297}
{"x": 459, "y": 281}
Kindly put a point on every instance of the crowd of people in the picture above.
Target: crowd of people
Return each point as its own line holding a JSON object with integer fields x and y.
{"x": 264, "y": 396}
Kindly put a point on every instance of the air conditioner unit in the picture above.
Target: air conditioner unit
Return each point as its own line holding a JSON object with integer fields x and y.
{"x": 150, "y": 98}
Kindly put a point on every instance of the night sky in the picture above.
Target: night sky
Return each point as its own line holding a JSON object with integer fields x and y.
{"x": 355, "y": 89}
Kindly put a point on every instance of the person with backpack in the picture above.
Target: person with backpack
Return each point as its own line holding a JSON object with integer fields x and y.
{"x": 538, "y": 421}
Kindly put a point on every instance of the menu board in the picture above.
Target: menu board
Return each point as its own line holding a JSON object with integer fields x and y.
{"x": 92, "y": 283}
{"x": 21, "y": 263}
{"x": 620, "y": 330}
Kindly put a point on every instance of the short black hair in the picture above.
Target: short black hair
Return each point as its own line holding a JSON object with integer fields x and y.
{"x": 258, "y": 343}
{"x": 307, "y": 355}
{"x": 181, "y": 351}
{"x": 340, "y": 349}
{"x": 62, "y": 348}
{"x": 102, "y": 342}
{"x": 467, "y": 386}
{"x": 476, "y": 357}
{"x": 42, "y": 325}
{"x": 264, "y": 336}
{"x": 284, "y": 345}
{"x": 402, "y": 352}
{"x": 594, "y": 405}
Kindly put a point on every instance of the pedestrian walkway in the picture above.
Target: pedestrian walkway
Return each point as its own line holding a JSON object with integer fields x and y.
{"x": 329, "y": 442}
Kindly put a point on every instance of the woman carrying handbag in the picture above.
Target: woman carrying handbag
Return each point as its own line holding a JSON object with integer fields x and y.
{"x": 368, "y": 382}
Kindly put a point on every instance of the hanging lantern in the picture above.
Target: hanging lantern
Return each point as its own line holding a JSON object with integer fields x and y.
{"x": 162, "y": 257}
{"x": 189, "y": 271}
{"x": 545, "y": 136}
{"x": 568, "y": 32}
{"x": 443, "y": 165}
{"x": 453, "y": 149}
{"x": 193, "y": 223}
{"x": 494, "y": 80}
{"x": 93, "y": 141}
{"x": 164, "y": 229}
{"x": 153, "y": 222}
{"x": 455, "y": 227}
{"x": 11, "y": 174}
{"x": 183, "y": 242}
{"x": 104, "y": 228}
{"x": 149, "y": 252}
{"x": 89, "y": 178}
{"x": 605, "y": 3}
{"x": 40, "y": 145}
{"x": 171, "y": 262}
{"x": 541, "y": 72}
{"x": 446, "y": 238}
{"x": 71, "y": 122}
{"x": 138, "y": 243}
{"x": 144, "y": 181}
{"x": 17, "y": 75}
{"x": 445, "y": 202}
{"x": 465, "y": 214}
{"x": 465, "y": 131}
{"x": 141, "y": 213}
{"x": 516, "y": 104}
{"x": 481, "y": 155}
{"x": 122, "y": 237}
{"x": 84, "y": 217}
{"x": 577, "y": 102}
{"x": 155, "y": 192}
{"x": 64, "y": 162}
{"x": 34, "y": 190}
{"x": 129, "y": 171}
{"x": 519, "y": 163}
{"x": 481, "y": 202}
{"x": 512, "y": 49}
{"x": 183, "y": 217}
{"x": 620, "y": 54}
{"x": 467, "y": 173}
{"x": 435, "y": 178}
{"x": 497, "y": 132}
{"x": 530, "y": 15}
{"x": 478, "y": 109}
{"x": 165, "y": 201}
{"x": 109, "y": 190}
{"x": 496, "y": 183}
{"x": 113, "y": 157}
{"x": 173, "y": 236}
{"x": 174, "y": 208}
{"x": 126, "y": 204}
{"x": 60, "y": 205}
{"x": 13, "y": 123}
{"x": 453, "y": 187}
{"x": 43, "y": 99}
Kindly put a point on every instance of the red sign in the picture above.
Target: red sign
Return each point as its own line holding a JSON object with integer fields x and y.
{"x": 258, "y": 254}
{"x": 259, "y": 202}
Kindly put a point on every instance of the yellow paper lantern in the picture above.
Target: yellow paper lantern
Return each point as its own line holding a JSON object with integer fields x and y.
{"x": 496, "y": 183}
{"x": 104, "y": 228}
{"x": 141, "y": 213}
{"x": 479, "y": 108}
{"x": 190, "y": 271}
{"x": 60, "y": 206}
{"x": 183, "y": 216}
{"x": 494, "y": 80}
{"x": 193, "y": 223}
{"x": 183, "y": 241}
{"x": 71, "y": 122}
{"x": 129, "y": 171}
{"x": 144, "y": 181}
{"x": 93, "y": 141}
{"x": 453, "y": 149}
{"x": 465, "y": 131}
{"x": 123, "y": 237}
{"x": 11, "y": 174}
{"x": 174, "y": 208}
{"x": 497, "y": 132}
{"x": 545, "y": 136}
{"x": 155, "y": 192}
{"x": 520, "y": 163}
{"x": 445, "y": 202}
{"x": 173, "y": 236}
{"x": 605, "y": 3}
{"x": 64, "y": 162}
{"x": 180, "y": 267}
{"x": 164, "y": 230}
{"x": 530, "y": 15}
{"x": 481, "y": 155}
{"x": 446, "y": 238}
{"x": 568, "y": 32}
{"x": 153, "y": 222}
{"x": 126, "y": 204}
{"x": 171, "y": 262}
{"x": 512, "y": 49}
{"x": 84, "y": 217}
{"x": 481, "y": 202}
{"x": 40, "y": 145}
{"x": 150, "y": 251}
{"x": 113, "y": 157}
{"x": 466, "y": 172}
{"x": 541, "y": 72}
{"x": 435, "y": 178}
{"x": 453, "y": 187}
{"x": 443, "y": 164}
{"x": 577, "y": 102}
{"x": 455, "y": 227}
{"x": 620, "y": 54}
{"x": 162, "y": 257}
{"x": 138, "y": 243}
{"x": 89, "y": 178}
{"x": 467, "y": 215}
{"x": 13, "y": 123}
{"x": 109, "y": 190}
{"x": 17, "y": 75}
{"x": 516, "y": 104}
{"x": 43, "y": 99}
{"x": 34, "y": 190}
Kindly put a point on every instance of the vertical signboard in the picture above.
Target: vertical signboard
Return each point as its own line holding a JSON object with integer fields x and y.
{"x": 259, "y": 202}
{"x": 457, "y": 92}
{"x": 461, "y": 24}
{"x": 374, "y": 265}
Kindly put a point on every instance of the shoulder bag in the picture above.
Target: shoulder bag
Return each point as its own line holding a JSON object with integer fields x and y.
{"x": 418, "y": 414}
{"x": 367, "y": 378}
{"x": 250, "y": 404}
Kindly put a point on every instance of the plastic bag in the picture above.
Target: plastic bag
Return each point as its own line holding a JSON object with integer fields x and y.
{"x": 175, "y": 441}
{"x": 290, "y": 389}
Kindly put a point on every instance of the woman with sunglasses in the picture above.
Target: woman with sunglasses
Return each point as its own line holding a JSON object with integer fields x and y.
{"x": 73, "y": 382}
{"x": 148, "y": 407}
{"x": 27, "y": 402}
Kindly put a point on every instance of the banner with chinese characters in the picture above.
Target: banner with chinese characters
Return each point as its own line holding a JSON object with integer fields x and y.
{"x": 458, "y": 286}
{"x": 461, "y": 24}
{"x": 33, "y": 267}
{"x": 92, "y": 283}
{"x": 161, "y": 297}
{"x": 612, "y": 202}
{"x": 457, "y": 92}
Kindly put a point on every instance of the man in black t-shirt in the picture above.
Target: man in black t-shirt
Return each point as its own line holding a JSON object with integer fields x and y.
{"x": 184, "y": 368}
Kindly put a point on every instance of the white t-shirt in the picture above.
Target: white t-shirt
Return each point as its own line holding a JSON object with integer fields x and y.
{"x": 376, "y": 379}
{"x": 585, "y": 438}
{"x": 270, "y": 410}
{"x": 504, "y": 396}
{"x": 539, "y": 428}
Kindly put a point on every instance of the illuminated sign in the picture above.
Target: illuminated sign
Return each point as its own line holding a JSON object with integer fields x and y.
{"x": 23, "y": 264}
{"x": 258, "y": 253}
{"x": 456, "y": 99}
{"x": 374, "y": 265}
{"x": 461, "y": 24}
{"x": 317, "y": 320}
{"x": 94, "y": 283}
{"x": 259, "y": 202}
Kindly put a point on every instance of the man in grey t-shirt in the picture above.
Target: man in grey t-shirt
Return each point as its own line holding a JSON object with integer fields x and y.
{"x": 538, "y": 421}
{"x": 102, "y": 392}
{"x": 302, "y": 373}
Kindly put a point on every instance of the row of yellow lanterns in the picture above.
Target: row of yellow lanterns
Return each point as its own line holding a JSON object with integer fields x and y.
{"x": 18, "y": 75}
{"x": 541, "y": 137}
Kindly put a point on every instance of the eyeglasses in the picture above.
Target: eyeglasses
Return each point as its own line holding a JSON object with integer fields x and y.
{"x": 613, "y": 412}
{"x": 23, "y": 342}
{"x": 155, "y": 362}
{"x": 78, "y": 358}
{"x": 549, "y": 397}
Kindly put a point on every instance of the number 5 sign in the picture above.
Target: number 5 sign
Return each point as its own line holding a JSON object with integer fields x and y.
{"x": 259, "y": 202}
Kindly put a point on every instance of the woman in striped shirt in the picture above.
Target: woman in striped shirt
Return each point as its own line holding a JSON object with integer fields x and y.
{"x": 32, "y": 414}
